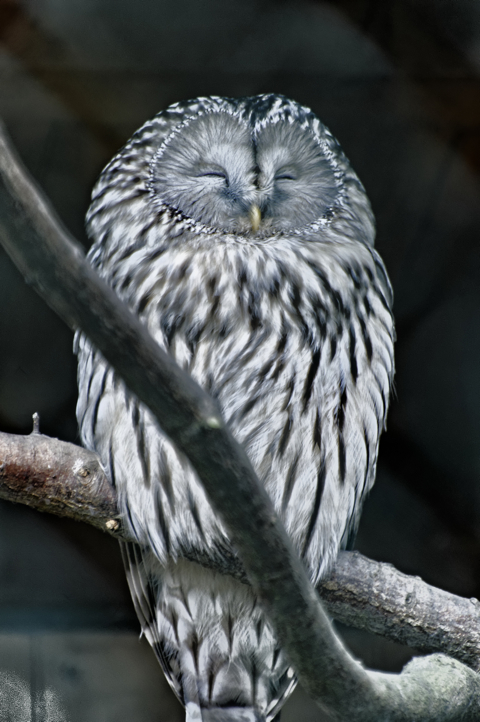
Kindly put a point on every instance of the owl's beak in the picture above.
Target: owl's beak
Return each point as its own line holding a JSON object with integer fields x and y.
{"x": 255, "y": 217}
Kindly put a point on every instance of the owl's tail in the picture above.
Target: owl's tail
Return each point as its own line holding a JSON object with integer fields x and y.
{"x": 219, "y": 654}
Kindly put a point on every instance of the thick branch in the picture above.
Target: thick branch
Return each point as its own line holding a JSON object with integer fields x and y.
{"x": 378, "y": 598}
{"x": 64, "y": 479}
{"x": 54, "y": 265}
{"x": 61, "y": 478}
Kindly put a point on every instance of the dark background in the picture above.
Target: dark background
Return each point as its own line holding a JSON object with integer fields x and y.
{"x": 398, "y": 83}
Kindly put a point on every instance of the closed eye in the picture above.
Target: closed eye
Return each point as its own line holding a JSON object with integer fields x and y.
{"x": 285, "y": 176}
{"x": 212, "y": 174}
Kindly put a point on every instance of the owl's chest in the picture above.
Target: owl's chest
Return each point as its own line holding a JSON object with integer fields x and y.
{"x": 245, "y": 323}
{"x": 232, "y": 298}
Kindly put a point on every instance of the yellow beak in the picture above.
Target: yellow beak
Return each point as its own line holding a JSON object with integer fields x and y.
{"x": 255, "y": 217}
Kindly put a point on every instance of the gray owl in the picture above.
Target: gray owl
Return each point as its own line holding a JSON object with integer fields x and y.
{"x": 239, "y": 234}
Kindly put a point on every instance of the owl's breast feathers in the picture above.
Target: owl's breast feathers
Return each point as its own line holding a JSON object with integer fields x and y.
{"x": 294, "y": 338}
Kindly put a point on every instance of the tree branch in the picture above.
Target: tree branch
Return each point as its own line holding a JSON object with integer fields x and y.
{"x": 67, "y": 480}
{"x": 58, "y": 477}
{"x": 377, "y": 597}
{"x": 436, "y": 688}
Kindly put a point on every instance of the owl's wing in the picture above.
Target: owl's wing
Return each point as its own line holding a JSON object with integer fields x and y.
{"x": 144, "y": 582}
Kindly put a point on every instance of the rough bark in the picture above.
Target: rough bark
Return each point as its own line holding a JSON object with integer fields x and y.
{"x": 377, "y": 597}
{"x": 438, "y": 688}
{"x": 54, "y": 476}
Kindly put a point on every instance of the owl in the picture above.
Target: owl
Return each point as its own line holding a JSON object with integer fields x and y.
{"x": 239, "y": 234}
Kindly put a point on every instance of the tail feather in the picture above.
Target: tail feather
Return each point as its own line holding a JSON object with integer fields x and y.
{"x": 219, "y": 655}
{"x": 145, "y": 607}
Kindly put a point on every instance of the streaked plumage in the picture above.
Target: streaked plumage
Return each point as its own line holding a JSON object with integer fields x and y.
{"x": 238, "y": 232}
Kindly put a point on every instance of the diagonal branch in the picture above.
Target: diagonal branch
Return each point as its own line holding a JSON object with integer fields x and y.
{"x": 436, "y": 688}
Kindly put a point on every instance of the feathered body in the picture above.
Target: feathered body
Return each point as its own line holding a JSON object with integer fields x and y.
{"x": 283, "y": 314}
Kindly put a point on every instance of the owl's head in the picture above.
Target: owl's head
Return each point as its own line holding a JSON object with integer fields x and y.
{"x": 254, "y": 166}
{"x": 249, "y": 166}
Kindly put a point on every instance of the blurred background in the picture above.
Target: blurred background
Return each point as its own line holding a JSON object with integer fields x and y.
{"x": 397, "y": 81}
